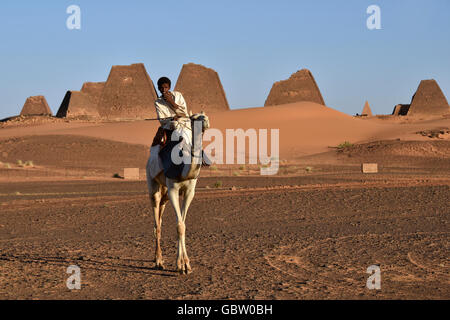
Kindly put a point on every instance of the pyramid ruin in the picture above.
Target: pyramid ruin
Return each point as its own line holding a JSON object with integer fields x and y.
{"x": 301, "y": 86}
{"x": 94, "y": 89}
{"x": 78, "y": 104}
{"x": 201, "y": 88}
{"x": 429, "y": 100}
{"x": 366, "y": 110}
{"x": 36, "y": 106}
{"x": 401, "y": 110}
{"x": 128, "y": 93}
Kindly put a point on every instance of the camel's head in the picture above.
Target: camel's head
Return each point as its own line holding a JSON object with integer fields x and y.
{"x": 203, "y": 118}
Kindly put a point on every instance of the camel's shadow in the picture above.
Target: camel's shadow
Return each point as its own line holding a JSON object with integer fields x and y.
{"x": 93, "y": 263}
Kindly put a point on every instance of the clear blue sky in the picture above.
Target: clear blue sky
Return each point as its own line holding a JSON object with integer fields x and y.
{"x": 250, "y": 43}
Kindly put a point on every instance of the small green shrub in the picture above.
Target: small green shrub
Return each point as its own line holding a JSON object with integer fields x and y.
{"x": 236, "y": 173}
{"x": 218, "y": 184}
{"x": 20, "y": 163}
{"x": 344, "y": 145}
{"x": 29, "y": 164}
{"x": 308, "y": 169}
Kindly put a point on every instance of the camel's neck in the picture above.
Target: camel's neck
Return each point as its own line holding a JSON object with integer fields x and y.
{"x": 192, "y": 170}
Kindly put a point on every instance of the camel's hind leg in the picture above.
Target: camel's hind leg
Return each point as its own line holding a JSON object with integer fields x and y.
{"x": 158, "y": 199}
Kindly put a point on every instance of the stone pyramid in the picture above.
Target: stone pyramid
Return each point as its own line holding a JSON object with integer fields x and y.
{"x": 301, "y": 86}
{"x": 428, "y": 100}
{"x": 201, "y": 88}
{"x": 94, "y": 89}
{"x": 78, "y": 104}
{"x": 128, "y": 93}
{"x": 366, "y": 110}
{"x": 36, "y": 106}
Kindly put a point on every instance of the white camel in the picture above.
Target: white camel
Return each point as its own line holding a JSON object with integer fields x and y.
{"x": 162, "y": 189}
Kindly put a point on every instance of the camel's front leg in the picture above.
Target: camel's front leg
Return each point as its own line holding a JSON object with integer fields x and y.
{"x": 175, "y": 200}
{"x": 187, "y": 199}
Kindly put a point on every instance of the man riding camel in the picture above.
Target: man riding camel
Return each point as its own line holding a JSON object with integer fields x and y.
{"x": 172, "y": 113}
{"x": 171, "y": 110}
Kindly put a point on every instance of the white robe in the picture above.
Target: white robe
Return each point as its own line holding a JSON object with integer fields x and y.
{"x": 182, "y": 127}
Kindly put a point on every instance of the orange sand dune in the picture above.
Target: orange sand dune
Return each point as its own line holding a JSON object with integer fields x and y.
{"x": 305, "y": 128}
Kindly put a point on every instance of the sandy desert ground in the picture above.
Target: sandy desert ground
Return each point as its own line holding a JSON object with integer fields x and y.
{"x": 310, "y": 232}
